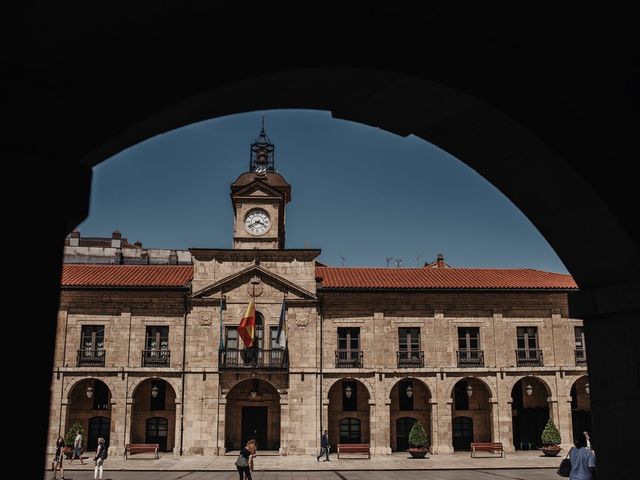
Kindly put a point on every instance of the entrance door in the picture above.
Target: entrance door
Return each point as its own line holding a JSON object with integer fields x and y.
{"x": 254, "y": 425}
{"x": 403, "y": 427}
{"x": 98, "y": 427}
{"x": 462, "y": 433}
{"x": 157, "y": 428}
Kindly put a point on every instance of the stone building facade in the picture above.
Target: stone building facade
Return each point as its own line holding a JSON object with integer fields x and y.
{"x": 149, "y": 351}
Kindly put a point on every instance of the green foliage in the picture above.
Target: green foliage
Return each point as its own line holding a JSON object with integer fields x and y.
{"x": 71, "y": 434}
{"x": 550, "y": 434}
{"x": 417, "y": 436}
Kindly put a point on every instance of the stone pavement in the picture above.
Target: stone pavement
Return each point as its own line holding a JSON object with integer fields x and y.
{"x": 275, "y": 463}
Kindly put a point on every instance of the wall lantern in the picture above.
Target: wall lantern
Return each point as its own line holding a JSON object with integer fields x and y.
{"x": 469, "y": 390}
{"x": 89, "y": 391}
{"x": 154, "y": 391}
{"x": 586, "y": 388}
{"x": 529, "y": 390}
{"x": 348, "y": 391}
{"x": 255, "y": 390}
{"x": 409, "y": 391}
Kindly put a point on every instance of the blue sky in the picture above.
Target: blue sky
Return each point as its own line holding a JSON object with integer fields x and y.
{"x": 357, "y": 192}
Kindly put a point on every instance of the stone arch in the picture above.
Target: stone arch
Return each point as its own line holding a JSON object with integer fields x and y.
{"x": 154, "y": 397}
{"x": 394, "y": 381}
{"x": 452, "y": 381}
{"x": 88, "y": 398}
{"x": 138, "y": 381}
{"x": 401, "y": 405}
{"x": 516, "y": 379}
{"x": 70, "y": 386}
{"x": 329, "y": 383}
{"x": 236, "y": 383}
{"x": 342, "y": 404}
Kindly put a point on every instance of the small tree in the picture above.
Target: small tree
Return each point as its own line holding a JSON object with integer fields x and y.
{"x": 417, "y": 436}
{"x": 550, "y": 434}
{"x": 71, "y": 434}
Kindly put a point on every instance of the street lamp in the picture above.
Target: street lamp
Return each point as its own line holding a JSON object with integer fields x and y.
{"x": 348, "y": 391}
{"x": 409, "y": 391}
{"x": 154, "y": 391}
{"x": 89, "y": 391}
{"x": 529, "y": 390}
{"x": 469, "y": 390}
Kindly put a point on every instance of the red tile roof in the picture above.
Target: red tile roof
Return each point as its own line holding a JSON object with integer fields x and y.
{"x": 74, "y": 275}
{"x": 443, "y": 278}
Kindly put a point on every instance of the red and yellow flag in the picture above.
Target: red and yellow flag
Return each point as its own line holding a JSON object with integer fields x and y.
{"x": 247, "y": 326}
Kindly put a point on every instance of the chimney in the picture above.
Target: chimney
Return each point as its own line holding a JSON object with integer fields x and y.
{"x": 138, "y": 244}
{"x": 74, "y": 239}
{"x": 116, "y": 241}
{"x": 440, "y": 261}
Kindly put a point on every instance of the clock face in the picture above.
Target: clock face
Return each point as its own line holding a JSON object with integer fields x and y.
{"x": 257, "y": 222}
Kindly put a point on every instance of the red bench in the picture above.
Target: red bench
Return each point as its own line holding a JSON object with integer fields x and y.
{"x": 493, "y": 447}
{"x": 354, "y": 448}
{"x": 132, "y": 448}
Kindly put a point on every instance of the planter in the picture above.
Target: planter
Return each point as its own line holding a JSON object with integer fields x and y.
{"x": 551, "y": 450}
{"x": 418, "y": 452}
{"x": 68, "y": 452}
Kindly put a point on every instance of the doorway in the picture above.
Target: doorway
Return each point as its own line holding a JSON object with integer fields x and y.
{"x": 98, "y": 427}
{"x": 403, "y": 428}
{"x": 156, "y": 432}
{"x": 462, "y": 433}
{"x": 254, "y": 425}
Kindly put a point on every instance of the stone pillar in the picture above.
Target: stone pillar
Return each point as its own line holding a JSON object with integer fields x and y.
{"x": 222, "y": 420}
{"x": 117, "y": 437}
{"x": 433, "y": 434}
{"x": 178, "y": 426}
{"x": 385, "y": 424}
{"x": 566, "y": 424}
{"x": 495, "y": 420}
{"x": 612, "y": 329}
{"x": 285, "y": 426}
{"x": 505, "y": 424}
{"x": 443, "y": 420}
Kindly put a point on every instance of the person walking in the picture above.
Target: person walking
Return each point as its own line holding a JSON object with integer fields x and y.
{"x": 583, "y": 462}
{"x": 101, "y": 456}
{"x": 58, "y": 459}
{"x": 587, "y": 439}
{"x": 324, "y": 446}
{"x": 244, "y": 462}
{"x": 77, "y": 449}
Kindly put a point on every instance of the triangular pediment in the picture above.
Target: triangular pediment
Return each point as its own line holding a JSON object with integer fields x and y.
{"x": 243, "y": 277}
{"x": 257, "y": 189}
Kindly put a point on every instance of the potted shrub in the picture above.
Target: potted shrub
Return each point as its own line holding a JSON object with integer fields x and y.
{"x": 550, "y": 440}
{"x": 418, "y": 441}
{"x": 71, "y": 437}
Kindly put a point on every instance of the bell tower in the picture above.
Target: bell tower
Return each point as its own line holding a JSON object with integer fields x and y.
{"x": 259, "y": 198}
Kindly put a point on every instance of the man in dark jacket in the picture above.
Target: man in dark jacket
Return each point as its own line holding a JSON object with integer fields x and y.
{"x": 324, "y": 446}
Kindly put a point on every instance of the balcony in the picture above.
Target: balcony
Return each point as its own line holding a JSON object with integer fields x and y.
{"x": 581, "y": 357}
{"x": 529, "y": 358}
{"x": 91, "y": 357}
{"x": 276, "y": 359}
{"x": 470, "y": 358}
{"x": 349, "y": 358}
{"x": 156, "y": 358}
{"x": 410, "y": 359}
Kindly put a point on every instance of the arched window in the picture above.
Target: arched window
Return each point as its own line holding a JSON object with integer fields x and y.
{"x": 350, "y": 430}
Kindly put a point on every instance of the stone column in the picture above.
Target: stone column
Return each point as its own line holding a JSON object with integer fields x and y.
{"x": 285, "y": 427}
{"x": 117, "y": 438}
{"x": 505, "y": 421}
{"x": 178, "y": 427}
{"x": 495, "y": 420}
{"x": 443, "y": 420}
{"x": 566, "y": 424}
{"x": 433, "y": 434}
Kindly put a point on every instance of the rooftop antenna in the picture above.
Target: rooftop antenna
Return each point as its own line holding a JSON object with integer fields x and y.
{"x": 343, "y": 259}
{"x": 418, "y": 260}
{"x": 398, "y": 262}
{"x": 388, "y": 259}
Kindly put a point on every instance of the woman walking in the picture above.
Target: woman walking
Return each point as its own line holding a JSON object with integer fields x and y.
{"x": 101, "y": 456}
{"x": 244, "y": 462}
{"x": 58, "y": 458}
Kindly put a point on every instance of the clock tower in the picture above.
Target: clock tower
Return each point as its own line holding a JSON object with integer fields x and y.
{"x": 259, "y": 198}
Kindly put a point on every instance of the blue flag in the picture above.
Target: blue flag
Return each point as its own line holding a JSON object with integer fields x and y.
{"x": 281, "y": 337}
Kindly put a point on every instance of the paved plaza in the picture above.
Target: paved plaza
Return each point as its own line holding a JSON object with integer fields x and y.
{"x": 270, "y": 467}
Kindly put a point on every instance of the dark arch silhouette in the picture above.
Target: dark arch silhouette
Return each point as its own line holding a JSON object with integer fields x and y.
{"x": 532, "y": 99}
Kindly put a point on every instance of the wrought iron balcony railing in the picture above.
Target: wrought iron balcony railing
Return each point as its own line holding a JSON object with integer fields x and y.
{"x": 349, "y": 358}
{"x": 529, "y": 358}
{"x": 410, "y": 359}
{"x": 581, "y": 357}
{"x": 470, "y": 358}
{"x": 91, "y": 357}
{"x": 277, "y": 358}
{"x": 156, "y": 358}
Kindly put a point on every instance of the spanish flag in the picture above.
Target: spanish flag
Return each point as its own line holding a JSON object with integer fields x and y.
{"x": 247, "y": 326}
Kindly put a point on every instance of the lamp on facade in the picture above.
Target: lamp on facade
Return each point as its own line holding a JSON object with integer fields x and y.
{"x": 409, "y": 391}
{"x": 154, "y": 391}
{"x": 469, "y": 390}
{"x": 89, "y": 391}
{"x": 255, "y": 390}
{"x": 348, "y": 391}
{"x": 586, "y": 388}
{"x": 529, "y": 389}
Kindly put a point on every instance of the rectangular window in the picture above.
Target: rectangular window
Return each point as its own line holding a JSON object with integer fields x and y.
{"x": 273, "y": 333}
{"x": 409, "y": 339}
{"x": 92, "y": 337}
{"x": 157, "y": 339}
{"x": 349, "y": 396}
{"x": 468, "y": 338}
{"x": 579, "y": 335}
{"x": 348, "y": 339}
{"x": 527, "y": 338}
{"x": 231, "y": 342}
